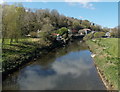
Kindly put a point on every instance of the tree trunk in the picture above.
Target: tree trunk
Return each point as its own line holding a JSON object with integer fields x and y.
{"x": 16, "y": 40}
{"x": 3, "y": 40}
{"x": 11, "y": 40}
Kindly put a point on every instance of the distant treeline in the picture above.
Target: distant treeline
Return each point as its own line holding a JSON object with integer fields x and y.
{"x": 17, "y": 22}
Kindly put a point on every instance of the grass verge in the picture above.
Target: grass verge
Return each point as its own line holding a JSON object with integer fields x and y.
{"x": 106, "y": 58}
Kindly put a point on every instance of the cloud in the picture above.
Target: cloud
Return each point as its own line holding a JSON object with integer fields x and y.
{"x": 28, "y": 0}
{"x": 84, "y": 3}
{"x": 1, "y": 1}
{"x": 75, "y": 68}
{"x": 81, "y": 17}
{"x": 35, "y": 77}
{"x": 87, "y": 5}
{"x": 81, "y": 1}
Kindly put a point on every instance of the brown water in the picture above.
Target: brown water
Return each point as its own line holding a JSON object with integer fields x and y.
{"x": 67, "y": 68}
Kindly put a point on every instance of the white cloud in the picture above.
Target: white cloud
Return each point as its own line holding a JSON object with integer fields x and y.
{"x": 84, "y": 3}
{"x": 81, "y": 17}
{"x": 87, "y": 5}
{"x": 28, "y": 0}
{"x": 1, "y": 1}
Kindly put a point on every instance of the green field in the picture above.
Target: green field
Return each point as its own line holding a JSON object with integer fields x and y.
{"x": 106, "y": 50}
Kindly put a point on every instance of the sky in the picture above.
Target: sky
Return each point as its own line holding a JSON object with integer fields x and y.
{"x": 102, "y": 13}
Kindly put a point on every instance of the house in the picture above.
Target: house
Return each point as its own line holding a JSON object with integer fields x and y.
{"x": 28, "y": 35}
{"x": 55, "y": 34}
{"x": 84, "y": 31}
{"x": 108, "y": 34}
{"x": 69, "y": 31}
{"x": 59, "y": 38}
{"x": 81, "y": 32}
{"x": 87, "y": 31}
{"x": 38, "y": 31}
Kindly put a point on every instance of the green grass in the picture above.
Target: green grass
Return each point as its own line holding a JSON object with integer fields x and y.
{"x": 23, "y": 46}
{"x": 7, "y": 41}
{"x": 106, "y": 50}
{"x": 15, "y": 54}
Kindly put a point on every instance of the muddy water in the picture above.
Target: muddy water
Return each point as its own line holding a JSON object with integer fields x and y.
{"x": 67, "y": 68}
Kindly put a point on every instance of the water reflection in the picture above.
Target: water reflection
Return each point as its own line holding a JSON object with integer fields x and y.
{"x": 69, "y": 68}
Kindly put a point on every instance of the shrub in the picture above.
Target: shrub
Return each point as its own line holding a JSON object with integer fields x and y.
{"x": 99, "y": 34}
{"x": 62, "y": 31}
{"x": 33, "y": 34}
{"x": 89, "y": 36}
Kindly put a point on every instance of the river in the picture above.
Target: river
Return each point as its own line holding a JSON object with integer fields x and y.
{"x": 67, "y": 68}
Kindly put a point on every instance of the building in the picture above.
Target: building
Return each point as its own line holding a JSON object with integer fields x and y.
{"x": 84, "y": 31}
{"x": 38, "y": 31}
{"x": 87, "y": 31}
{"x": 108, "y": 34}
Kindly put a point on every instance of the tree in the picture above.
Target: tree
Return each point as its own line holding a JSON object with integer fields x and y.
{"x": 33, "y": 34}
{"x": 62, "y": 31}
{"x": 86, "y": 23}
{"x": 105, "y": 29}
{"x": 9, "y": 22}
{"x": 30, "y": 22}
{"x": 76, "y": 25}
{"x": 115, "y": 32}
{"x": 88, "y": 36}
{"x": 99, "y": 34}
{"x": 12, "y": 22}
{"x": 45, "y": 31}
{"x": 54, "y": 17}
{"x": 19, "y": 21}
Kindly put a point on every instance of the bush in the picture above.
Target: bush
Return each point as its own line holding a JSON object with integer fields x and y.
{"x": 62, "y": 31}
{"x": 33, "y": 34}
{"x": 99, "y": 34}
{"x": 89, "y": 36}
{"x": 44, "y": 35}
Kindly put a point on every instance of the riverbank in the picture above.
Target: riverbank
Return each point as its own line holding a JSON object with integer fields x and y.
{"x": 66, "y": 68}
{"x": 16, "y": 55}
{"x": 105, "y": 55}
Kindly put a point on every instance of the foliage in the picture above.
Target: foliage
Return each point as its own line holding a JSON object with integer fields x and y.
{"x": 99, "y": 34}
{"x": 94, "y": 35}
{"x": 12, "y": 21}
{"x": 33, "y": 34}
{"x": 115, "y": 32}
{"x": 62, "y": 31}
{"x": 88, "y": 37}
{"x": 19, "y": 22}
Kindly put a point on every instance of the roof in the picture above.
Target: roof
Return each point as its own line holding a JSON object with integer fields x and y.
{"x": 55, "y": 34}
{"x": 87, "y": 29}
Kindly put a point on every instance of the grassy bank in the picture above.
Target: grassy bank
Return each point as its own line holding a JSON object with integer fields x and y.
{"x": 106, "y": 58}
{"x": 16, "y": 55}
{"x": 14, "y": 50}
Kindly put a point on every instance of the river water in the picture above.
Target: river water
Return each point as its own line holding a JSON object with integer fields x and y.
{"x": 66, "y": 68}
